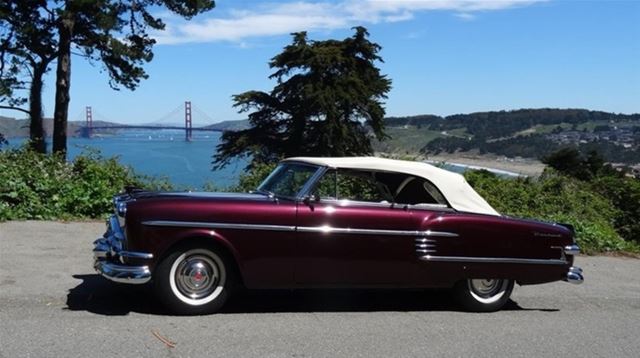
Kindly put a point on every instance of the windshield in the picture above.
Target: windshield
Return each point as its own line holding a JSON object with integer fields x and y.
{"x": 287, "y": 179}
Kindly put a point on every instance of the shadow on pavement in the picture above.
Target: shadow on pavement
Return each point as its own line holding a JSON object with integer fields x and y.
{"x": 97, "y": 295}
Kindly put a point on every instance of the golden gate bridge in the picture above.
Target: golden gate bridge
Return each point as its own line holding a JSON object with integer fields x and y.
{"x": 89, "y": 129}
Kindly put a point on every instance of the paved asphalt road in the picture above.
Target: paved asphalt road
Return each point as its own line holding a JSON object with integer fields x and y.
{"x": 53, "y": 305}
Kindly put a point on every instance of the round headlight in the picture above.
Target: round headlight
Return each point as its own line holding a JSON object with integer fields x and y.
{"x": 121, "y": 208}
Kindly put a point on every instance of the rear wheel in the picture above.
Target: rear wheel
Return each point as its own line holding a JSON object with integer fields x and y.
{"x": 483, "y": 295}
{"x": 194, "y": 280}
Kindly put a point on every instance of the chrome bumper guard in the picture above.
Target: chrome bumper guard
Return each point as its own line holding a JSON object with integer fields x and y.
{"x": 108, "y": 255}
{"x": 575, "y": 273}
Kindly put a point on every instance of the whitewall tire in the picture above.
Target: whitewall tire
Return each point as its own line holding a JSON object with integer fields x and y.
{"x": 483, "y": 295}
{"x": 194, "y": 280}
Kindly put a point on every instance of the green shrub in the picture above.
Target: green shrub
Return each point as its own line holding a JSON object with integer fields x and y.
{"x": 624, "y": 194}
{"x": 37, "y": 186}
{"x": 556, "y": 198}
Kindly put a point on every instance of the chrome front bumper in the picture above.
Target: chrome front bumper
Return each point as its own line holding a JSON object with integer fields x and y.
{"x": 109, "y": 257}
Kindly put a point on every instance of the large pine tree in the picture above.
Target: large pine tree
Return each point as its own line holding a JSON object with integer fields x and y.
{"x": 327, "y": 97}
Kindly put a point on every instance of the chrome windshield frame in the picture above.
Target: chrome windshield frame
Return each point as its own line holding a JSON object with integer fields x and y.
{"x": 307, "y": 185}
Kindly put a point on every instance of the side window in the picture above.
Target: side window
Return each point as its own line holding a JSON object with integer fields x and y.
{"x": 355, "y": 185}
{"x": 326, "y": 188}
{"x": 359, "y": 185}
{"x": 377, "y": 187}
{"x": 435, "y": 194}
{"x": 414, "y": 190}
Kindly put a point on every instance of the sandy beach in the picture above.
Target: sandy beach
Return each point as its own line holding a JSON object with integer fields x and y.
{"x": 522, "y": 166}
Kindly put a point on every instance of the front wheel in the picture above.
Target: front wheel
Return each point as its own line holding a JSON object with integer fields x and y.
{"x": 483, "y": 295}
{"x": 194, "y": 280}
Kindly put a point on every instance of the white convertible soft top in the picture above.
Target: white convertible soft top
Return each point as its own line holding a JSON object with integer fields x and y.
{"x": 453, "y": 186}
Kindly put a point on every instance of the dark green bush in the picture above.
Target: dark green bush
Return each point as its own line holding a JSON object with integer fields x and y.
{"x": 624, "y": 194}
{"x": 36, "y": 186}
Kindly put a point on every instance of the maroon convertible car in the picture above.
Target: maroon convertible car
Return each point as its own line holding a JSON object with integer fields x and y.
{"x": 328, "y": 223}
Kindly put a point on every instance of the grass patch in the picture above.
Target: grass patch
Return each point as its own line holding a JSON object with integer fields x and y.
{"x": 408, "y": 139}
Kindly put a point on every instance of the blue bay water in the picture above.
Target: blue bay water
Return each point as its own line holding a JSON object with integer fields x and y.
{"x": 162, "y": 153}
{"x": 165, "y": 154}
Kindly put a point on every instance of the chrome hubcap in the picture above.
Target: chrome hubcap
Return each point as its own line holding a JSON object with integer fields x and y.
{"x": 486, "y": 287}
{"x": 197, "y": 276}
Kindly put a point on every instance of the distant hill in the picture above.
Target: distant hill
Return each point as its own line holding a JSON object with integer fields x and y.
{"x": 12, "y": 127}
{"x": 529, "y": 133}
{"x": 235, "y": 125}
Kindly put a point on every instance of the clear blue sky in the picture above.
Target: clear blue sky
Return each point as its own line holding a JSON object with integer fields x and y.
{"x": 444, "y": 57}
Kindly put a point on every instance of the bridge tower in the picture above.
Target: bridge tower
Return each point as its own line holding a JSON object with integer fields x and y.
{"x": 188, "y": 128}
{"x": 89, "y": 121}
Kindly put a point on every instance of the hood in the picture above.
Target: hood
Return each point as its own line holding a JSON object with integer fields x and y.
{"x": 141, "y": 195}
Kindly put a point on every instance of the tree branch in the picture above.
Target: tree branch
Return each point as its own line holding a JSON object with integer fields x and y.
{"x": 16, "y": 109}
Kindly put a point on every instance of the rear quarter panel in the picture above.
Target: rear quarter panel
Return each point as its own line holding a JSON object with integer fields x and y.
{"x": 487, "y": 236}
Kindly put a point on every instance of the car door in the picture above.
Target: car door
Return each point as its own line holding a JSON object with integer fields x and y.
{"x": 350, "y": 234}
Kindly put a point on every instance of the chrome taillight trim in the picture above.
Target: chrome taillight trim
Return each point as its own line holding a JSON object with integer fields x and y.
{"x": 571, "y": 250}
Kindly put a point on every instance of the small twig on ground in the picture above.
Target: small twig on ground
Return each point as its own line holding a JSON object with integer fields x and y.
{"x": 163, "y": 339}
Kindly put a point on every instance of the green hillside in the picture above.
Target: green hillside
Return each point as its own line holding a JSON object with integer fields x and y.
{"x": 529, "y": 133}
{"x": 11, "y": 127}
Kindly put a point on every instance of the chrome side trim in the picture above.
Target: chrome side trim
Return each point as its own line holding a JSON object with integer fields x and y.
{"x": 212, "y": 225}
{"x": 492, "y": 260}
{"x": 314, "y": 229}
{"x": 424, "y": 246}
{"x": 335, "y": 230}
{"x": 438, "y": 233}
{"x": 135, "y": 255}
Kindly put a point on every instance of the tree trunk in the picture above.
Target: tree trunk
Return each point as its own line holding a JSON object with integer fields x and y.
{"x": 63, "y": 84}
{"x": 36, "y": 130}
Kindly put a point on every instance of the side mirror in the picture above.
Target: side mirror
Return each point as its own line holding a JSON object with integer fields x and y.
{"x": 311, "y": 198}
